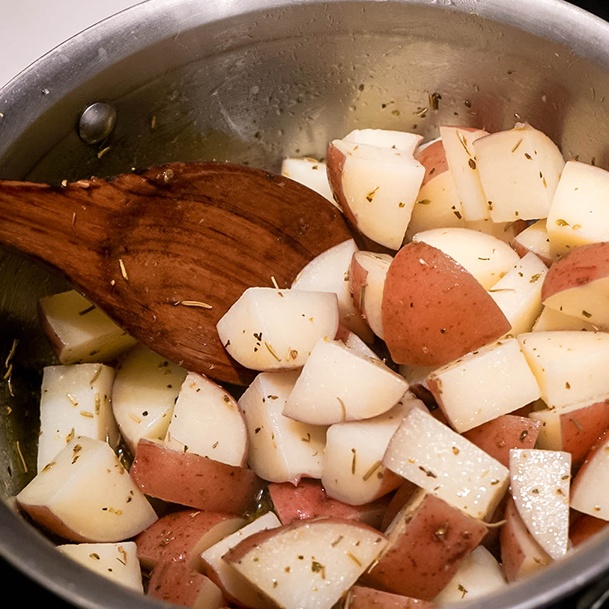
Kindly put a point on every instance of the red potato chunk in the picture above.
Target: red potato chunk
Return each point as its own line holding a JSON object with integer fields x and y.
{"x": 428, "y": 540}
{"x": 192, "y": 480}
{"x": 584, "y": 527}
{"x": 183, "y": 535}
{"x": 362, "y": 597}
{"x": 508, "y": 431}
{"x": 308, "y": 500}
{"x": 434, "y": 311}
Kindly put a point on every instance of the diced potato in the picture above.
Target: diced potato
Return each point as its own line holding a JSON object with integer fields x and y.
{"x": 309, "y": 172}
{"x": 534, "y": 239}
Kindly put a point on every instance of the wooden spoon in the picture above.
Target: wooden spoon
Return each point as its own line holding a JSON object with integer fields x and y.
{"x": 166, "y": 251}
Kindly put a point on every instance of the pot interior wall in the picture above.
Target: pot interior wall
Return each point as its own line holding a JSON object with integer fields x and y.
{"x": 255, "y": 88}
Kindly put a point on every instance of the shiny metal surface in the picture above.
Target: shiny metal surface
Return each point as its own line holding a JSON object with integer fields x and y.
{"x": 253, "y": 81}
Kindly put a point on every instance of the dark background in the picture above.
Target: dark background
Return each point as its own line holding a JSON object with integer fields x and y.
{"x": 28, "y": 592}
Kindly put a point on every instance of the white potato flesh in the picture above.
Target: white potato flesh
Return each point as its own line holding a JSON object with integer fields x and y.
{"x": 549, "y": 319}
{"x": 486, "y": 257}
{"x": 504, "y": 231}
{"x": 145, "y": 389}
{"x": 233, "y": 585}
{"x": 311, "y": 173}
{"x": 367, "y": 280}
{"x": 329, "y": 272}
{"x": 570, "y": 366}
{"x": 518, "y": 293}
{"x": 484, "y": 384}
{"x": 274, "y": 329}
{"x": 386, "y": 138}
{"x": 519, "y": 170}
{"x": 540, "y": 481}
{"x": 337, "y": 385}
{"x": 280, "y": 449}
{"x": 587, "y": 302}
{"x": 380, "y": 185}
{"x": 117, "y": 562}
{"x": 534, "y": 238}
{"x": 479, "y": 574}
{"x": 206, "y": 420}
{"x": 579, "y": 214}
{"x": 79, "y": 331}
{"x": 85, "y": 494}
{"x": 310, "y": 563}
{"x": 461, "y": 156}
{"x": 444, "y": 463}
{"x": 589, "y": 489}
{"x": 353, "y": 470}
{"x": 356, "y": 344}
{"x": 75, "y": 401}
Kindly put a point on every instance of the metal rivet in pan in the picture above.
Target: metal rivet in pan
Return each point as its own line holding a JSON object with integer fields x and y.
{"x": 97, "y": 122}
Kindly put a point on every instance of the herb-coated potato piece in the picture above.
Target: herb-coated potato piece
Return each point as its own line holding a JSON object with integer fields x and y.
{"x": 363, "y": 597}
{"x": 434, "y": 310}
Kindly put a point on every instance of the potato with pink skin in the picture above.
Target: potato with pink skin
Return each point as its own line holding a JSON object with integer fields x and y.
{"x": 434, "y": 311}
{"x": 362, "y": 597}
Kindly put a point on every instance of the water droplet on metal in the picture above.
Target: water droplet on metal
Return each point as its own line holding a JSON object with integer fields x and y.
{"x": 97, "y": 122}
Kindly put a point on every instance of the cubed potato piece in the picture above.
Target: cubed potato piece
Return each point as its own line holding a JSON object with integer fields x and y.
{"x": 434, "y": 311}
{"x": 578, "y": 283}
{"x": 281, "y": 449}
{"x": 584, "y": 527}
{"x": 272, "y": 329}
{"x": 521, "y": 554}
{"x": 479, "y": 574}
{"x": 75, "y": 401}
{"x": 355, "y": 343}
{"x": 485, "y": 256}
{"x": 504, "y": 231}
{"x": 236, "y": 588}
{"x": 428, "y": 540}
{"x": 337, "y": 385}
{"x": 144, "y": 392}
{"x": 206, "y": 420}
{"x": 353, "y": 470}
{"x": 570, "y": 366}
{"x": 192, "y": 480}
{"x": 438, "y": 204}
{"x": 79, "y": 331}
{"x": 117, "y": 562}
{"x": 588, "y": 490}
{"x": 438, "y": 459}
{"x": 549, "y": 319}
{"x": 534, "y": 239}
{"x": 519, "y": 170}
{"x": 363, "y": 597}
{"x": 330, "y": 272}
{"x": 367, "y": 282}
{"x": 311, "y": 173}
{"x": 518, "y": 293}
{"x": 308, "y": 561}
{"x": 484, "y": 384}
{"x": 573, "y": 429}
{"x": 182, "y": 535}
{"x": 540, "y": 481}
{"x": 579, "y": 213}
{"x": 308, "y": 499}
{"x": 175, "y": 582}
{"x": 460, "y": 153}
{"x": 498, "y": 436}
{"x": 376, "y": 179}
{"x": 86, "y": 495}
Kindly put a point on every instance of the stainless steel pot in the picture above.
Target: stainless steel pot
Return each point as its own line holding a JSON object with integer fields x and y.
{"x": 253, "y": 81}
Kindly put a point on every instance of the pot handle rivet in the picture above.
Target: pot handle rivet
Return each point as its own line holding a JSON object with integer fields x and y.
{"x": 97, "y": 122}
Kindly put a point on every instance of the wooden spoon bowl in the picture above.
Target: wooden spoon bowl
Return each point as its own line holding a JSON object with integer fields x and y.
{"x": 166, "y": 251}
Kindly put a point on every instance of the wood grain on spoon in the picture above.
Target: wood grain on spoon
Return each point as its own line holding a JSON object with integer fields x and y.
{"x": 166, "y": 251}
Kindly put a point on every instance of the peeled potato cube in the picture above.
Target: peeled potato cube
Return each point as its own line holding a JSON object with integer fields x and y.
{"x": 310, "y": 172}
{"x": 117, "y": 562}
{"x": 272, "y": 329}
{"x": 308, "y": 561}
{"x": 86, "y": 495}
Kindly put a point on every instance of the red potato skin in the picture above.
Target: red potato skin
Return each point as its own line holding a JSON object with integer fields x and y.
{"x": 584, "y": 527}
{"x": 433, "y": 158}
{"x": 48, "y": 520}
{"x": 192, "y": 480}
{"x": 579, "y": 267}
{"x": 498, "y": 436}
{"x": 427, "y": 553}
{"x": 435, "y": 311}
{"x": 174, "y": 536}
{"x": 362, "y": 597}
{"x": 175, "y": 582}
{"x": 309, "y": 500}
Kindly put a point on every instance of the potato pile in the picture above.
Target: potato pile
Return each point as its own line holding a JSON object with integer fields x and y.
{"x": 429, "y": 420}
